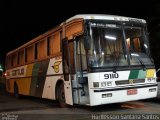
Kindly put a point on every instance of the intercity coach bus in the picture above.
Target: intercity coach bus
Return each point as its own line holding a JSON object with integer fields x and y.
{"x": 86, "y": 60}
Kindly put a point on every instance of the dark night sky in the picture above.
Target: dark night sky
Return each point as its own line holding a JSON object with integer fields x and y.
{"x": 24, "y": 19}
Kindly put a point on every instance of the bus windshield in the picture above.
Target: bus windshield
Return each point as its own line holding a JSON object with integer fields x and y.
{"x": 137, "y": 45}
{"x": 107, "y": 46}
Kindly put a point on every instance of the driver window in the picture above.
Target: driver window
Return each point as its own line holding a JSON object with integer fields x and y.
{"x": 81, "y": 55}
{"x": 71, "y": 53}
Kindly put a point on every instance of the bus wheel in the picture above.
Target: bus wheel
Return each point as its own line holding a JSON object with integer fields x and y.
{"x": 16, "y": 93}
{"x": 61, "y": 96}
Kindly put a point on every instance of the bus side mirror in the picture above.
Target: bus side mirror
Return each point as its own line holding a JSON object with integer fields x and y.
{"x": 87, "y": 43}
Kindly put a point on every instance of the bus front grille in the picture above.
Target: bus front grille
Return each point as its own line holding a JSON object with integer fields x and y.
{"x": 131, "y": 81}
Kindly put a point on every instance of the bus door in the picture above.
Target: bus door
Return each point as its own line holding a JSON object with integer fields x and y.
{"x": 66, "y": 71}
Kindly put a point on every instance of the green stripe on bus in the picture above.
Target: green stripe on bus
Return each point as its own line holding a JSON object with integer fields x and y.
{"x": 38, "y": 78}
{"x": 34, "y": 79}
{"x": 142, "y": 74}
{"x": 133, "y": 74}
{"x": 41, "y": 77}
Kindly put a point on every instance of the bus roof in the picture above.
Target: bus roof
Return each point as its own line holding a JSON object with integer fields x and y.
{"x": 104, "y": 17}
{"x": 80, "y": 16}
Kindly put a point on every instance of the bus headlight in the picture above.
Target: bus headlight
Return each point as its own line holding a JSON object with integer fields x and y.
{"x": 151, "y": 79}
{"x": 95, "y": 84}
{"x": 109, "y": 83}
{"x": 106, "y": 95}
{"x": 103, "y": 84}
{"x": 152, "y": 90}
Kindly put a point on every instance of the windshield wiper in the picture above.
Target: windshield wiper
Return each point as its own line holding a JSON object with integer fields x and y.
{"x": 117, "y": 61}
{"x": 142, "y": 63}
{"x": 117, "y": 58}
{"x": 138, "y": 58}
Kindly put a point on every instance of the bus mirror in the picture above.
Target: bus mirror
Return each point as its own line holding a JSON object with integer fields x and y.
{"x": 87, "y": 43}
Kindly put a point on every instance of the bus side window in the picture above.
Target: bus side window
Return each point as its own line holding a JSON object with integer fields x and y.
{"x": 30, "y": 53}
{"x": 35, "y": 51}
{"x": 42, "y": 49}
{"x": 14, "y": 58}
{"x": 21, "y": 57}
{"x": 48, "y": 46}
{"x": 9, "y": 61}
{"x": 25, "y": 55}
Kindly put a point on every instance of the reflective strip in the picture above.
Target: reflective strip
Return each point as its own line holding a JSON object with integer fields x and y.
{"x": 29, "y": 70}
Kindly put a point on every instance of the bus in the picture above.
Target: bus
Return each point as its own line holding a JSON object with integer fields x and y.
{"x": 88, "y": 60}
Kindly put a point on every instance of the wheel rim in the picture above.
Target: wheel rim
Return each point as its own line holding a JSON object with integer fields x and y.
{"x": 62, "y": 94}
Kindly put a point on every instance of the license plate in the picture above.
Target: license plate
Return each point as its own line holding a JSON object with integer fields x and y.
{"x": 131, "y": 91}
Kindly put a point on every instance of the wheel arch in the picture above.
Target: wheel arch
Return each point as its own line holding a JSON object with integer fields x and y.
{"x": 15, "y": 84}
{"x": 16, "y": 90}
{"x": 59, "y": 82}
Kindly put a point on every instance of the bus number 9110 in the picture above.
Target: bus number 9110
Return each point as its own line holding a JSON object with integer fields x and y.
{"x": 111, "y": 76}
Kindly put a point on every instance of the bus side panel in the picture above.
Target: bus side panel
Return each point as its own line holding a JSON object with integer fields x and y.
{"x": 54, "y": 74}
{"x": 49, "y": 88}
{"x": 7, "y": 85}
{"x": 41, "y": 77}
{"x": 29, "y": 70}
{"x": 38, "y": 79}
{"x": 10, "y": 85}
{"x": 34, "y": 78}
{"x": 24, "y": 83}
{"x": 22, "y": 77}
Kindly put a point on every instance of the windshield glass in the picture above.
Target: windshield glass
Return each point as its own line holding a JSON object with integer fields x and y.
{"x": 106, "y": 47}
{"x": 137, "y": 45}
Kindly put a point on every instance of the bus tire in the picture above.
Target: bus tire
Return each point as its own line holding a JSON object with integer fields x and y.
{"x": 61, "y": 96}
{"x": 16, "y": 91}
